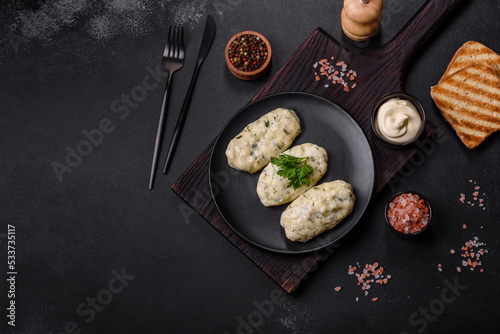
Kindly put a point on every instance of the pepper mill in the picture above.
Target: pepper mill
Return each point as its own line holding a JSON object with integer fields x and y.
{"x": 361, "y": 18}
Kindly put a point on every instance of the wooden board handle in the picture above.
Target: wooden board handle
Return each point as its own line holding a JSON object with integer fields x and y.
{"x": 419, "y": 28}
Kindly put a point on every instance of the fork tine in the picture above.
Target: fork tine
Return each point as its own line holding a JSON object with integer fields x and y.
{"x": 181, "y": 55}
{"x": 177, "y": 43}
{"x": 172, "y": 43}
{"x": 167, "y": 45}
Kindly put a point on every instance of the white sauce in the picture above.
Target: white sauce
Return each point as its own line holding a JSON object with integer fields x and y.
{"x": 262, "y": 140}
{"x": 272, "y": 188}
{"x": 398, "y": 121}
{"x": 319, "y": 209}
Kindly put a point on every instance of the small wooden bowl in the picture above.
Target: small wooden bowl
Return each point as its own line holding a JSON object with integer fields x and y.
{"x": 253, "y": 74}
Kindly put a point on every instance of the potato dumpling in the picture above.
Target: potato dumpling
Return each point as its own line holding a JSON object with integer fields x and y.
{"x": 319, "y": 209}
{"x": 260, "y": 141}
{"x": 273, "y": 189}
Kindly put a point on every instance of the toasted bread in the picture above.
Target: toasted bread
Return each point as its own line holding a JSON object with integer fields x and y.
{"x": 470, "y": 101}
{"x": 471, "y": 53}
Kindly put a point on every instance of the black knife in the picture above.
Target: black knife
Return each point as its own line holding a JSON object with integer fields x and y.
{"x": 206, "y": 43}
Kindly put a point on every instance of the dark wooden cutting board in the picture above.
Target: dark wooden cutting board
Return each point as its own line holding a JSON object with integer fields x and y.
{"x": 378, "y": 72}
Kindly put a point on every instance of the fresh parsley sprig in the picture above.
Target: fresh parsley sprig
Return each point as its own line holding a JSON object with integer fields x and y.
{"x": 294, "y": 169}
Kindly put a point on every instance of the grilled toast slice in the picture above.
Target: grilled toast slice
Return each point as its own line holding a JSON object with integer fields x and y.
{"x": 471, "y": 53}
{"x": 470, "y": 101}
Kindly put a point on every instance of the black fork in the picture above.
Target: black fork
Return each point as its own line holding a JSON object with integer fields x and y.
{"x": 173, "y": 60}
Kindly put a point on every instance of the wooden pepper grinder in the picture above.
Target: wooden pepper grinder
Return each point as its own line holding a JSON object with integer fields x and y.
{"x": 361, "y": 18}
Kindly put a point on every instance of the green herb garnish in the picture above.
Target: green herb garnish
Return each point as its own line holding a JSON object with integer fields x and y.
{"x": 266, "y": 123}
{"x": 294, "y": 169}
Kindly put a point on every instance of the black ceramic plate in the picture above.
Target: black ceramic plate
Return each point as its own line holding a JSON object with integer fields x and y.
{"x": 323, "y": 123}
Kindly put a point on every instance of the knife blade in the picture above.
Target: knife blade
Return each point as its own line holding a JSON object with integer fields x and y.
{"x": 206, "y": 43}
{"x": 207, "y": 40}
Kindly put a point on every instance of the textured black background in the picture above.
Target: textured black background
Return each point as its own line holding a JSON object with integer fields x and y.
{"x": 63, "y": 63}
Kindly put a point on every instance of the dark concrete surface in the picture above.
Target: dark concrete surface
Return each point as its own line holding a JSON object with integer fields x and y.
{"x": 97, "y": 252}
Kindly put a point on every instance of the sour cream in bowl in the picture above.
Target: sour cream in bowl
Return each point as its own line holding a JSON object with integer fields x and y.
{"x": 398, "y": 119}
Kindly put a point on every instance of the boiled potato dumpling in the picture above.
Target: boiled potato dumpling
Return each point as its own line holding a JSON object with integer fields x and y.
{"x": 260, "y": 141}
{"x": 273, "y": 189}
{"x": 319, "y": 209}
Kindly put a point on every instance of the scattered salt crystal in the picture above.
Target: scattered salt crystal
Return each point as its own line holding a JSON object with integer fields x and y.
{"x": 315, "y": 64}
{"x": 452, "y": 251}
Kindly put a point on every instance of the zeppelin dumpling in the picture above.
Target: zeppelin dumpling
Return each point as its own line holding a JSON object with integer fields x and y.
{"x": 272, "y": 188}
{"x": 262, "y": 140}
{"x": 319, "y": 209}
